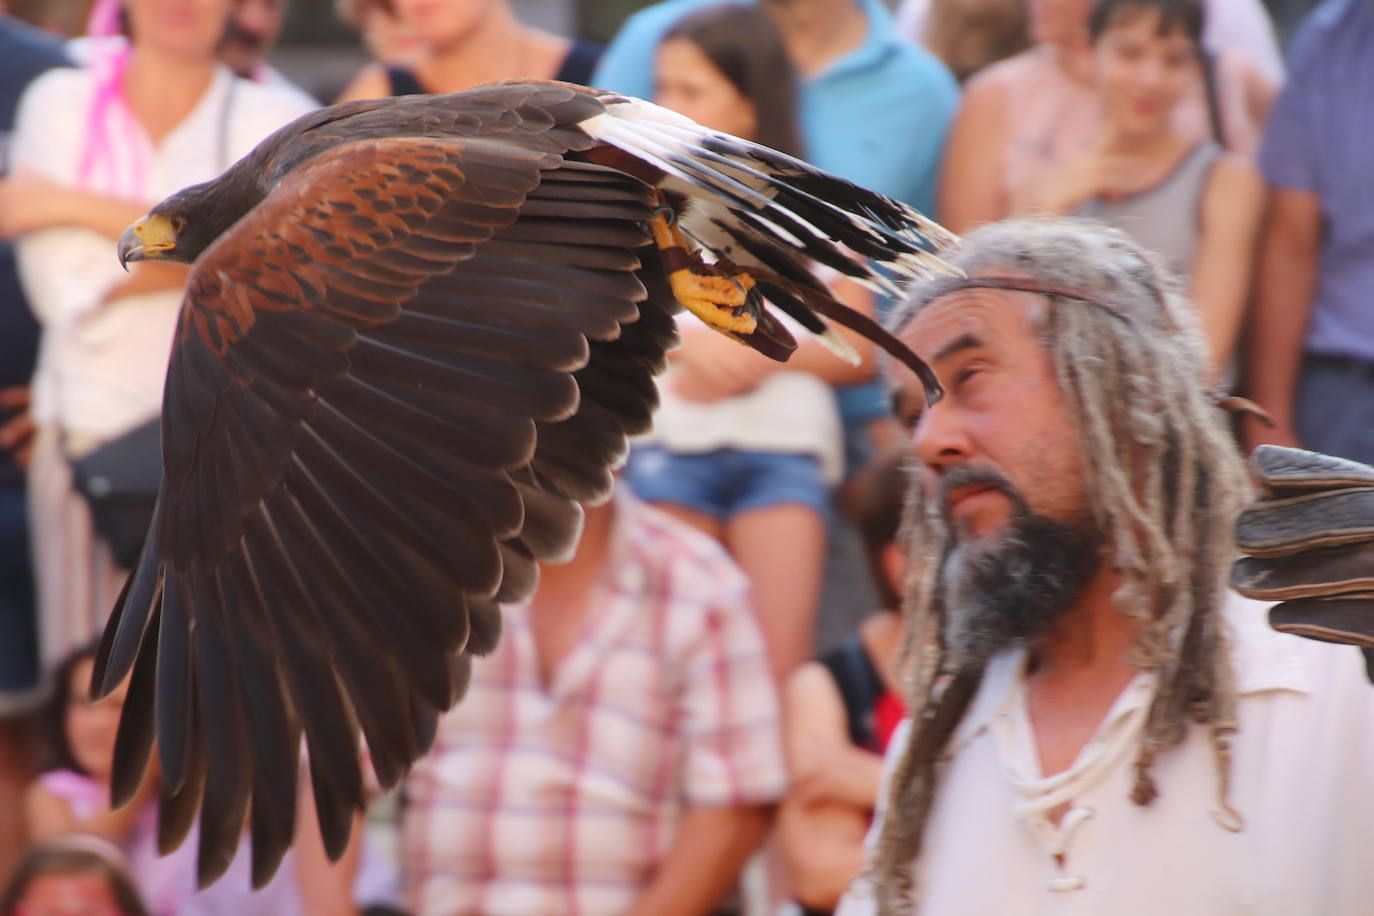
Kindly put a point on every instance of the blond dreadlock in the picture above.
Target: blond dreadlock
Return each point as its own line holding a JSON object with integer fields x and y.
{"x": 1165, "y": 483}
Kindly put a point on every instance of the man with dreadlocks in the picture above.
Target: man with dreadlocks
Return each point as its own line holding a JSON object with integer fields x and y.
{"x": 1098, "y": 725}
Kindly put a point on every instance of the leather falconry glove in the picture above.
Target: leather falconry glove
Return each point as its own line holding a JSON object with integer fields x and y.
{"x": 1310, "y": 536}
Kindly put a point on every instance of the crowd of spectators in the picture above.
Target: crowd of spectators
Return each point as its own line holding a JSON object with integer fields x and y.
{"x": 663, "y": 710}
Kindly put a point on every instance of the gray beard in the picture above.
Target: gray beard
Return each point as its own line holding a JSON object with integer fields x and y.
{"x": 1006, "y": 590}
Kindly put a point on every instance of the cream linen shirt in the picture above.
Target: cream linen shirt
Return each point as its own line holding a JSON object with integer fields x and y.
{"x": 1302, "y": 786}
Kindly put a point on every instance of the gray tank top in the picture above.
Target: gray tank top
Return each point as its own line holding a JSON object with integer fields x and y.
{"x": 1165, "y": 218}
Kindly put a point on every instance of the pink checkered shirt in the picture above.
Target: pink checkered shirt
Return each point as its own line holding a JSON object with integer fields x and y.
{"x": 565, "y": 800}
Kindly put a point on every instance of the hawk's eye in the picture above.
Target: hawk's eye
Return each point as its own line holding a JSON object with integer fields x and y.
{"x": 178, "y": 224}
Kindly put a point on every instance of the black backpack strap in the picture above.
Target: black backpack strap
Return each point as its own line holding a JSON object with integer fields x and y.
{"x": 860, "y": 686}
{"x": 404, "y": 82}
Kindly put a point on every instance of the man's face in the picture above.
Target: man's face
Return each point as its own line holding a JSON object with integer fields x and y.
{"x": 999, "y": 460}
{"x": 1003, "y": 412}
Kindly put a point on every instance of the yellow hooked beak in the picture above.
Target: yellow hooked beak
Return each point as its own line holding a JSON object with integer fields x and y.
{"x": 147, "y": 240}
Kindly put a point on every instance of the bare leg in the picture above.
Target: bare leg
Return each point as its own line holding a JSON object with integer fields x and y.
{"x": 782, "y": 550}
{"x": 702, "y": 521}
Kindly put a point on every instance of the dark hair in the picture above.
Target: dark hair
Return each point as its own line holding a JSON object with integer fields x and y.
{"x": 73, "y": 854}
{"x": 968, "y": 35}
{"x": 878, "y": 496}
{"x": 744, "y": 45}
{"x": 1185, "y": 15}
{"x": 57, "y": 750}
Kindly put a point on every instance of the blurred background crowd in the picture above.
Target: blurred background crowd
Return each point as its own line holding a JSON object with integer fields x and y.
{"x": 690, "y": 716}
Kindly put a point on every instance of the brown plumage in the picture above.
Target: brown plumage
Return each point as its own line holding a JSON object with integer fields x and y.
{"x": 417, "y": 334}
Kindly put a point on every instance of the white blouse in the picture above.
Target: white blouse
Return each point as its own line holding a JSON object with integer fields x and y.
{"x": 101, "y": 367}
{"x": 790, "y": 412}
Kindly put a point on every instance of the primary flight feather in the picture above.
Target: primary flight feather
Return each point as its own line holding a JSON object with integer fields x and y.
{"x": 417, "y": 334}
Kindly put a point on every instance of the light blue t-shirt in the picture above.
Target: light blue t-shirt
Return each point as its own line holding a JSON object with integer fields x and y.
{"x": 877, "y": 116}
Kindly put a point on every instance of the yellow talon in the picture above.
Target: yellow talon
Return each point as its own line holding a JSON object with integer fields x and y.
{"x": 715, "y": 300}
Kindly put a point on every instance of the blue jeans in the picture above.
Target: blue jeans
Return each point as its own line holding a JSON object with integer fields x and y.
{"x": 725, "y": 482}
{"x": 1334, "y": 406}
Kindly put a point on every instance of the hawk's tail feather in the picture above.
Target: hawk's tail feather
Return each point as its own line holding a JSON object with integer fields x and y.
{"x": 801, "y": 205}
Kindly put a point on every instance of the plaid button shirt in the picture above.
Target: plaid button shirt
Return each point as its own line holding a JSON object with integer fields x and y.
{"x": 564, "y": 800}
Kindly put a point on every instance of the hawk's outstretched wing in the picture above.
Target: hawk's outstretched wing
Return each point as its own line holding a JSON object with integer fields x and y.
{"x": 390, "y": 386}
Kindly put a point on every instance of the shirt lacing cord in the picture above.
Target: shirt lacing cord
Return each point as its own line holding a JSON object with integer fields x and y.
{"x": 1041, "y": 795}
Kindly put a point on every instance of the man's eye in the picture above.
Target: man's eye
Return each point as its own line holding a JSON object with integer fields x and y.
{"x": 963, "y": 375}
{"x": 909, "y": 419}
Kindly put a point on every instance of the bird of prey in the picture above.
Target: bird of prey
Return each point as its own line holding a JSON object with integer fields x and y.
{"x": 417, "y": 334}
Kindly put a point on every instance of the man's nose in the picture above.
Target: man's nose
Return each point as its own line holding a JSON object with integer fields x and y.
{"x": 940, "y": 438}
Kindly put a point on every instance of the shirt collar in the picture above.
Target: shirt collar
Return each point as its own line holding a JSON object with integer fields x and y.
{"x": 610, "y": 611}
{"x": 1264, "y": 660}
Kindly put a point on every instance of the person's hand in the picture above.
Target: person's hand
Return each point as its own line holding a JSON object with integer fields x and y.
{"x": 711, "y": 367}
{"x": 1097, "y": 171}
{"x": 1108, "y": 173}
{"x": 16, "y": 429}
{"x": 29, "y": 203}
{"x": 709, "y": 384}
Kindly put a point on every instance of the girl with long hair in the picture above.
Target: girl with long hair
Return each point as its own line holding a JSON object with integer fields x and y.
{"x": 744, "y": 448}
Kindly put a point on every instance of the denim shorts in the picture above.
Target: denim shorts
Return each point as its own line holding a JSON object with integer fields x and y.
{"x": 725, "y": 482}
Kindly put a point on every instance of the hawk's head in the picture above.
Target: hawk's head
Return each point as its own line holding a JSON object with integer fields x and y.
{"x": 185, "y": 224}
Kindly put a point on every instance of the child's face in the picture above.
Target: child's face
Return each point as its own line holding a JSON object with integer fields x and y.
{"x": 1142, "y": 74}
{"x": 69, "y": 894}
{"x": 687, "y": 82}
{"x": 91, "y": 726}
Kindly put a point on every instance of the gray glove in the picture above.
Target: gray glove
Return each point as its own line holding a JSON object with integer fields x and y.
{"x": 1310, "y": 536}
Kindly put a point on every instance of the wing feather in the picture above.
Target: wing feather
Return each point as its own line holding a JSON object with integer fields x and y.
{"x": 227, "y": 765}
{"x": 173, "y": 708}
{"x": 375, "y": 377}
